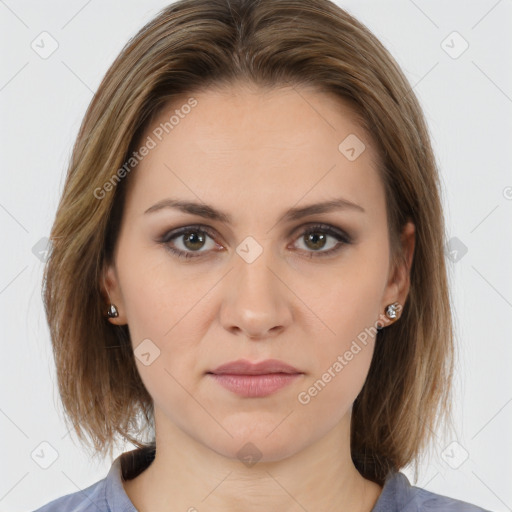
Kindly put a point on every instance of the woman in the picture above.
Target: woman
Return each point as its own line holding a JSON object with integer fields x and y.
{"x": 247, "y": 275}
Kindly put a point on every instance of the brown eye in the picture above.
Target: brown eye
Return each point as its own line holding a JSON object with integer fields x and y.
{"x": 316, "y": 238}
{"x": 315, "y": 241}
{"x": 193, "y": 241}
{"x": 184, "y": 242}
{"x": 197, "y": 241}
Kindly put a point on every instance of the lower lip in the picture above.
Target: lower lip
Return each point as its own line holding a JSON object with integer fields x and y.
{"x": 254, "y": 386}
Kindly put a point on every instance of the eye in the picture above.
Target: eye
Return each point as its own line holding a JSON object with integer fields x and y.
{"x": 192, "y": 241}
{"x": 315, "y": 239}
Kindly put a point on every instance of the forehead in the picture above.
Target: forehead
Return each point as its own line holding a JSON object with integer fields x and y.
{"x": 254, "y": 146}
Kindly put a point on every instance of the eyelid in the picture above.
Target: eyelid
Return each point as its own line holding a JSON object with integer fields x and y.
{"x": 343, "y": 237}
{"x": 168, "y": 235}
{"x": 321, "y": 226}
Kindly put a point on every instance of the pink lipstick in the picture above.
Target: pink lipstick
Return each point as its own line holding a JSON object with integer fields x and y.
{"x": 254, "y": 380}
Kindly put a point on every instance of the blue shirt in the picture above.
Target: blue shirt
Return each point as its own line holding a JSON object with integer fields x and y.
{"x": 108, "y": 494}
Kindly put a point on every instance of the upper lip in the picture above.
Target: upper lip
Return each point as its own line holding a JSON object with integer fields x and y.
{"x": 245, "y": 367}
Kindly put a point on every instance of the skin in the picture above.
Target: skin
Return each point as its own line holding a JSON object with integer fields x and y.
{"x": 254, "y": 154}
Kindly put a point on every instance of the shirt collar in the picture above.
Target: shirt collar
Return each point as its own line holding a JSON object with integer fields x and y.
{"x": 126, "y": 466}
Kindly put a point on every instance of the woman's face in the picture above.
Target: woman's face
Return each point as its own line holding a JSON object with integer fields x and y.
{"x": 256, "y": 287}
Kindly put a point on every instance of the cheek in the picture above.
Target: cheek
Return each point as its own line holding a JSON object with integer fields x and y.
{"x": 157, "y": 294}
{"x": 163, "y": 305}
{"x": 341, "y": 362}
{"x": 347, "y": 298}
{"x": 349, "y": 310}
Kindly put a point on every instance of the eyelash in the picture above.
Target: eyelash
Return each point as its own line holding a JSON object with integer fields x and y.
{"x": 339, "y": 235}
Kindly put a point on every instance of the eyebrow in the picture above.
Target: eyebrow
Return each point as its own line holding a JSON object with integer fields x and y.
{"x": 209, "y": 212}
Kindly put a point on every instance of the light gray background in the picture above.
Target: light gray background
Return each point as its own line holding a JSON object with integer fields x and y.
{"x": 468, "y": 104}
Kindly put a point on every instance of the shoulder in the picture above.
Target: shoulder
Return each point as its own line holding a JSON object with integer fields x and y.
{"x": 91, "y": 499}
{"x": 108, "y": 494}
{"x": 399, "y": 495}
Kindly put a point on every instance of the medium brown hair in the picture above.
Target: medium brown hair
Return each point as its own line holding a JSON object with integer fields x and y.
{"x": 195, "y": 44}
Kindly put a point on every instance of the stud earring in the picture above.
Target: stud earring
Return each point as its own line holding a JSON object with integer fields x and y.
{"x": 392, "y": 310}
{"x": 112, "y": 311}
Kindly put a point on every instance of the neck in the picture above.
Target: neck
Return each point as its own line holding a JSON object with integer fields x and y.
{"x": 187, "y": 475}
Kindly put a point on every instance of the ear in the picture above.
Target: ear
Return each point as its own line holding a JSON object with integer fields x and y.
{"x": 111, "y": 292}
{"x": 399, "y": 281}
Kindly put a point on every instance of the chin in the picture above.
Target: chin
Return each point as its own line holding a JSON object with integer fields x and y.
{"x": 256, "y": 442}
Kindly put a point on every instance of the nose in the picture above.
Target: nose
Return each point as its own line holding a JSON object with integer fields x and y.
{"x": 256, "y": 301}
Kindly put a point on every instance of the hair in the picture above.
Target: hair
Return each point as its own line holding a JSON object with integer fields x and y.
{"x": 192, "y": 45}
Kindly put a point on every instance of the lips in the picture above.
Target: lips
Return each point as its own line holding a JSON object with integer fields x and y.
{"x": 255, "y": 380}
{"x": 245, "y": 367}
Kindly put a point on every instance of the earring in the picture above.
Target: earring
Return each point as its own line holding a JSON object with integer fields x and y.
{"x": 112, "y": 311}
{"x": 391, "y": 310}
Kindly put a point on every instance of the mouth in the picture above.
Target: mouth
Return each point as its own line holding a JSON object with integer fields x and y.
{"x": 255, "y": 386}
{"x": 245, "y": 367}
{"x": 253, "y": 380}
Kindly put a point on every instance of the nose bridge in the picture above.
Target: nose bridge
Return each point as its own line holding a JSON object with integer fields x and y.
{"x": 256, "y": 303}
{"x": 252, "y": 268}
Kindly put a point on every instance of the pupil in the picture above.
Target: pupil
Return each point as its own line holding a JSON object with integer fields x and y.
{"x": 193, "y": 238}
{"x": 315, "y": 238}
